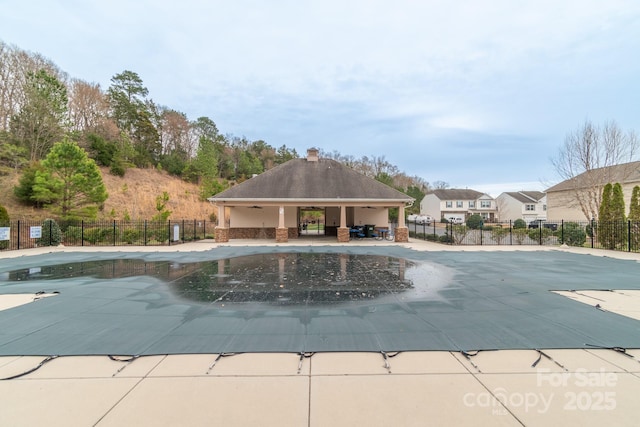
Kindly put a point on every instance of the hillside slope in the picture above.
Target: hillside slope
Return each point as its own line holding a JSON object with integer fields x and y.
{"x": 134, "y": 194}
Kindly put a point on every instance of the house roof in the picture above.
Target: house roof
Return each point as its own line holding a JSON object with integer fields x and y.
{"x": 456, "y": 194}
{"x": 624, "y": 173}
{"x": 319, "y": 180}
{"x": 526, "y": 196}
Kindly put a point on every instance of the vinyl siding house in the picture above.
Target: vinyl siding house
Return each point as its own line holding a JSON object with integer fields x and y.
{"x": 578, "y": 198}
{"x": 526, "y": 205}
{"x": 458, "y": 203}
{"x": 270, "y": 205}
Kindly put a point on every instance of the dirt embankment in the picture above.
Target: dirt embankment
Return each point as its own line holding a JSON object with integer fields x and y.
{"x": 133, "y": 195}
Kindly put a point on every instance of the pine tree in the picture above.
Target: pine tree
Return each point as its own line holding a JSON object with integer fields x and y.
{"x": 634, "y": 207}
{"x": 617, "y": 203}
{"x": 70, "y": 183}
{"x": 612, "y": 227}
{"x": 605, "y": 234}
{"x": 605, "y": 205}
{"x": 634, "y": 218}
{"x": 618, "y": 216}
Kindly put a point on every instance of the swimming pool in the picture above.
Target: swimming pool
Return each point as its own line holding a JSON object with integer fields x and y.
{"x": 292, "y": 299}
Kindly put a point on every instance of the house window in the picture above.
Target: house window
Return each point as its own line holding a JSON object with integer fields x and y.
{"x": 449, "y": 204}
{"x": 485, "y": 203}
{"x": 530, "y": 208}
{"x": 459, "y": 204}
{"x": 544, "y": 207}
{"x": 472, "y": 204}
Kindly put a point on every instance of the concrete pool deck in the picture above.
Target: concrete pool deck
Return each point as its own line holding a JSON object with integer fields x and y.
{"x": 568, "y": 387}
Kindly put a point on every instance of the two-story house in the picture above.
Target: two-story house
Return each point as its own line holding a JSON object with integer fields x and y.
{"x": 526, "y": 205}
{"x": 579, "y": 198}
{"x": 454, "y": 204}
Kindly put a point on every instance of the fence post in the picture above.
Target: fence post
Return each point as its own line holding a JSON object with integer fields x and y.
{"x": 169, "y": 225}
{"x": 562, "y": 231}
{"x": 114, "y": 232}
{"x": 145, "y": 232}
{"x": 540, "y": 231}
{"x": 82, "y": 232}
{"x": 593, "y": 232}
{"x": 510, "y": 234}
{"x": 629, "y": 235}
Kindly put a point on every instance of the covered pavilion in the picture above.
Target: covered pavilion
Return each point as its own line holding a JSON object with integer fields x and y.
{"x": 269, "y": 205}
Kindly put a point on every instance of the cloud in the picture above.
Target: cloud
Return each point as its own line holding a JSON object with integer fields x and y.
{"x": 460, "y": 91}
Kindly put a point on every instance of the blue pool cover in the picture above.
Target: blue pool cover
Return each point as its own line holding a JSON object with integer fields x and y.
{"x": 292, "y": 299}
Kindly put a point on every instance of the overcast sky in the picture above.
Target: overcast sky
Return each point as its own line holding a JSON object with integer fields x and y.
{"x": 480, "y": 94}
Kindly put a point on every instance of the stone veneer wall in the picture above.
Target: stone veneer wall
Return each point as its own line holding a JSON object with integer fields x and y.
{"x": 343, "y": 234}
{"x": 402, "y": 234}
{"x": 282, "y": 235}
{"x": 221, "y": 235}
{"x": 259, "y": 233}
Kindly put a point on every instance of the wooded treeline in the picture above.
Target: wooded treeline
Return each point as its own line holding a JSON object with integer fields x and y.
{"x": 123, "y": 127}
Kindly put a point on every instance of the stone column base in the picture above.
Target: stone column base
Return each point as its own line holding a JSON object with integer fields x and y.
{"x": 343, "y": 234}
{"x": 282, "y": 235}
{"x": 222, "y": 234}
{"x": 402, "y": 234}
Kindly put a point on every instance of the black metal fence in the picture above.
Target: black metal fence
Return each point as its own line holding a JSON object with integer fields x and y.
{"x": 24, "y": 234}
{"x": 29, "y": 234}
{"x": 619, "y": 236}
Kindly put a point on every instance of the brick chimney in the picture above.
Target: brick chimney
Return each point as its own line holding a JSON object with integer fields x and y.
{"x": 312, "y": 155}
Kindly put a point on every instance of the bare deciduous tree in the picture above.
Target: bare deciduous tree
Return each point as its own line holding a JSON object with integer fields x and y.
{"x": 174, "y": 129}
{"x": 15, "y": 65}
{"x": 585, "y": 158}
{"x": 440, "y": 185}
{"x": 88, "y": 106}
{"x": 41, "y": 121}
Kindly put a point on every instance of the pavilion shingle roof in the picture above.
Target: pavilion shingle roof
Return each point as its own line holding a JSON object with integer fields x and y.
{"x": 323, "y": 179}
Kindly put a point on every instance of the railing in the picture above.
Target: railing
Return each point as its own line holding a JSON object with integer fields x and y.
{"x": 617, "y": 235}
{"x": 29, "y": 234}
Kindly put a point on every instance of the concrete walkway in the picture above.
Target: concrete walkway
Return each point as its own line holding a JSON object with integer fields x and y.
{"x": 507, "y": 387}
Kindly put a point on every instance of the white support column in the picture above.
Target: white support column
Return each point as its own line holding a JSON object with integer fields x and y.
{"x": 281, "y": 217}
{"x": 343, "y": 231}
{"x": 282, "y": 233}
{"x": 222, "y": 233}
{"x": 221, "y": 218}
{"x": 401, "y": 216}
{"x": 402, "y": 232}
